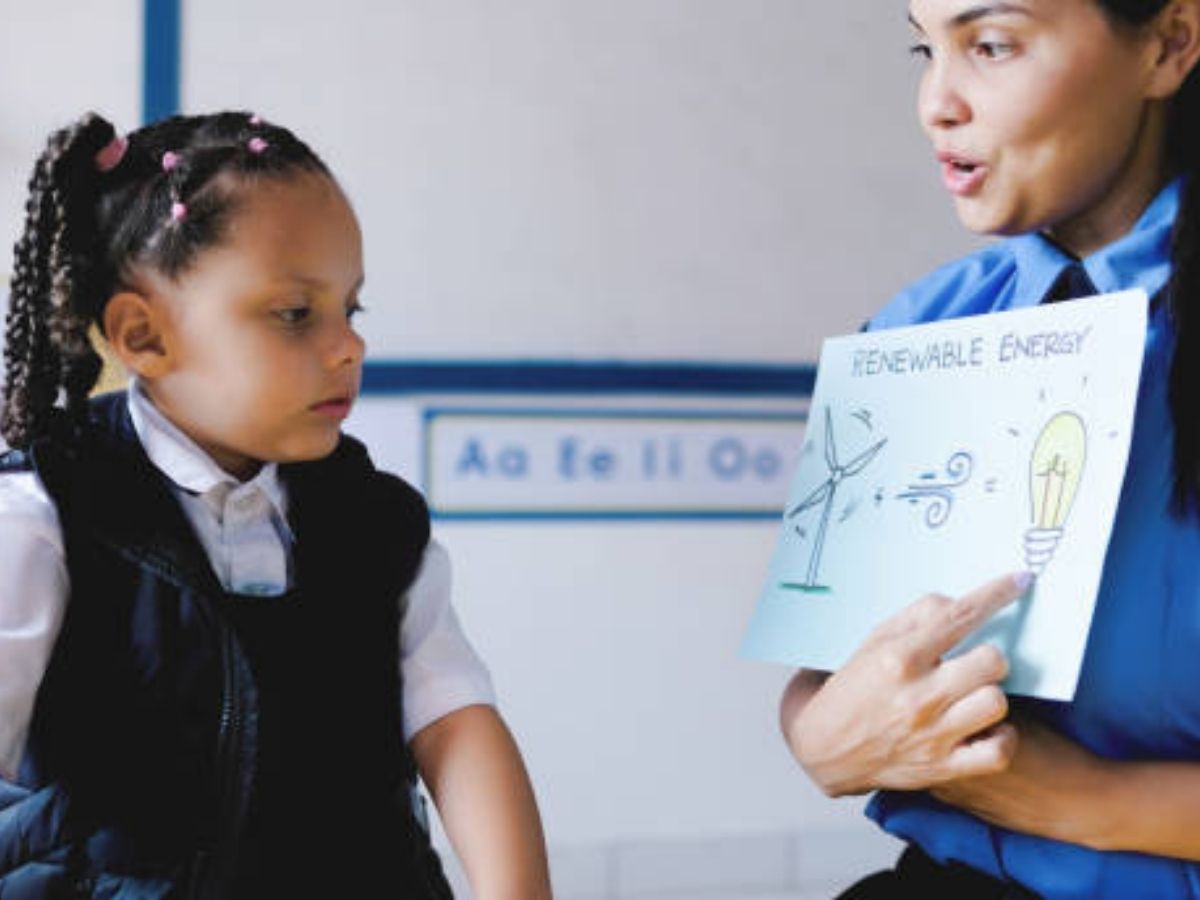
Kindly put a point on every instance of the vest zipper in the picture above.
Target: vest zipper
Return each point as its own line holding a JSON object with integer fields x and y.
{"x": 214, "y": 866}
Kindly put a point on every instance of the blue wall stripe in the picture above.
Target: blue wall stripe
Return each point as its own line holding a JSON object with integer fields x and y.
{"x": 160, "y": 59}
{"x": 766, "y": 515}
{"x": 560, "y": 377}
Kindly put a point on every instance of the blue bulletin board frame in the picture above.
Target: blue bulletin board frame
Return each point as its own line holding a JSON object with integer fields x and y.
{"x": 431, "y": 414}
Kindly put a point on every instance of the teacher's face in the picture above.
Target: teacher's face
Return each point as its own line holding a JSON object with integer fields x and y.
{"x": 1039, "y": 114}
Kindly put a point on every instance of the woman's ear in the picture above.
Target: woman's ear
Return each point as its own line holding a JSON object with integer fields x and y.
{"x": 1177, "y": 40}
{"x": 135, "y": 329}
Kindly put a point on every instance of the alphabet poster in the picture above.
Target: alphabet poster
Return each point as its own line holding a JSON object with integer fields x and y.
{"x": 940, "y": 456}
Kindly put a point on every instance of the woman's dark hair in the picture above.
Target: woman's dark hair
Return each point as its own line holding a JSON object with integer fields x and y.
{"x": 1183, "y": 295}
{"x": 153, "y": 200}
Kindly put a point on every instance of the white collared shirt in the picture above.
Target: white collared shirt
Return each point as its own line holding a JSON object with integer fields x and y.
{"x": 242, "y": 526}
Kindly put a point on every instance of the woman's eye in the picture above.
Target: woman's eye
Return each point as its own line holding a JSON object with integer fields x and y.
{"x": 992, "y": 49}
{"x": 920, "y": 50}
{"x": 354, "y": 309}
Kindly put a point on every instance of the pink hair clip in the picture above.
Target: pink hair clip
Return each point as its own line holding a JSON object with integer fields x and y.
{"x": 178, "y": 211}
{"x": 170, "y": 160}
{"x": 256, "y": 145}
{"x": 256, "y": 119}
{"x": 112, "y": 153}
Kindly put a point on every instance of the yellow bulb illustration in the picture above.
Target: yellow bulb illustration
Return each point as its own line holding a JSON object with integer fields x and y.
{"x": 1054, "y": 474}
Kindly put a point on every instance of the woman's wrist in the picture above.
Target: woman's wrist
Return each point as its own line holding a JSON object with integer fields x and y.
{"x": 827, "y": 753}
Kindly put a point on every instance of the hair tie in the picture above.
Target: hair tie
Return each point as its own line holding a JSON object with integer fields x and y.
{"x": 178, "y": 211}
{"x": 112, "y": 153}
{"x": 257, "y": 145}
{"x": 170, "y": 160}
{"x": 256, "y": 119}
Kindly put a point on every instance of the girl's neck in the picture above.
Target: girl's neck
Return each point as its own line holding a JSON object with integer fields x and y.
{"x": 239, "y": 467}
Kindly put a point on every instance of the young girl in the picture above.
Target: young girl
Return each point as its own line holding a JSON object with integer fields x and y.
{"x": 226, "y": 645}
{"x": 1072, "y": 126}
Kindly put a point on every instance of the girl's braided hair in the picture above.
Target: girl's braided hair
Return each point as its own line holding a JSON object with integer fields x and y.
{"x": 170, "y": 195}
{"x": 1183, "y": 293}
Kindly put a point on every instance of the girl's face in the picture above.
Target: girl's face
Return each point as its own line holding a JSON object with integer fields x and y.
{"x": 1040, "y": 116}
{"x": 264, "y": 360}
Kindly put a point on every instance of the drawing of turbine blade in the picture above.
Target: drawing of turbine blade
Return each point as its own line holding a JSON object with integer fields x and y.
{"x": 860, "y": 462}
{"x": 814, "y": 559}
{"x": 830, "y": 446}
{"x": 817, "y": 496}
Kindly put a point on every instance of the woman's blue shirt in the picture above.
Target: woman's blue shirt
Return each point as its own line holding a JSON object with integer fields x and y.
{"x": 1139, "y": 689}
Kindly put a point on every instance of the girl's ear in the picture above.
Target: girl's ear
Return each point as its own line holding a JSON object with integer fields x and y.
{"x": 1177, "y": 39}
{"x": 136, "y": 331}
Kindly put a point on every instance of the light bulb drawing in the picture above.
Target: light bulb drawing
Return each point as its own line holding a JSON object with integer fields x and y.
{"x": 824, "y": 494}
{"x": 1054, "y": 472}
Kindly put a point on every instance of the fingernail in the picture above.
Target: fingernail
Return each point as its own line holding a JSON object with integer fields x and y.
{"x": 1023, "y": 581}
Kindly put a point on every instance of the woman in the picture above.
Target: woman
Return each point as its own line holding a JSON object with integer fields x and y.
{"x": 1069, "y": 126}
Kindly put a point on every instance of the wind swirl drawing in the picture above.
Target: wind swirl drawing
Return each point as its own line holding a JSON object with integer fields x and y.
{"x": 938, "y": 491}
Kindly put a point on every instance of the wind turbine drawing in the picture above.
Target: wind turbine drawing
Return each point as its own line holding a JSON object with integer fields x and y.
{"x": 825, "y": 493}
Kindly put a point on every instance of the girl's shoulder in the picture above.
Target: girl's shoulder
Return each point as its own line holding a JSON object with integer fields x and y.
{"x": 967, "y": 286}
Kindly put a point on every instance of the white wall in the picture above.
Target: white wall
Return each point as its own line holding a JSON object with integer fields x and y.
{"x": 712, "y": 179}
{"x": 58, "y": 59}
{"x": 705, "y": 180}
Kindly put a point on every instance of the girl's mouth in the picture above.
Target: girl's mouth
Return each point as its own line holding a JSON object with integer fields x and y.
{"x": 335, "y": 408}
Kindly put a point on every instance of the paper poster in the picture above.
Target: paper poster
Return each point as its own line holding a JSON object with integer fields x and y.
{"x": 940, "y": 456}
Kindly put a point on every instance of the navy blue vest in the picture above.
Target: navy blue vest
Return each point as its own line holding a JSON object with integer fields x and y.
{"x": 186, "y": 742}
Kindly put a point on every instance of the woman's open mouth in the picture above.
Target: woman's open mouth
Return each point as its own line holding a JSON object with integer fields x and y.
{"x": 961, "y": 175}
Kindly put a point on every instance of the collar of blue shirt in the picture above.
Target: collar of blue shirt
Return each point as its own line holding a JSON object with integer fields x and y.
{"x": 1141, "y": 258}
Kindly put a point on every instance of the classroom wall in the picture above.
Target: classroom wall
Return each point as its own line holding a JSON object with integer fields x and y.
{"x": 58, "y": 58}
{"x": 712, "y": 181}
{"x": 632, "y": 178}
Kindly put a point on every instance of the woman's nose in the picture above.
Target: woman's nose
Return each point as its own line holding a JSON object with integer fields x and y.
{"x": 940, "y": 102}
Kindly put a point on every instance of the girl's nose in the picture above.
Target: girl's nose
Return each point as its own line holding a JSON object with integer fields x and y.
{"x": 346, "y": 347}
{"x": 940, "y": 102}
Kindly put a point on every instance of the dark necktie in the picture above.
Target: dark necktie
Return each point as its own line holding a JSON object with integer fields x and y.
{"x": 1072, "y": 282}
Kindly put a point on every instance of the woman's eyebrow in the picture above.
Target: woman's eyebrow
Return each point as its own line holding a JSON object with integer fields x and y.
{"x": 974, "y": 13}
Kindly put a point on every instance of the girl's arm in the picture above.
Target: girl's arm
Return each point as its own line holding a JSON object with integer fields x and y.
{"x": 1055, "y": 788}
{"x": 33, "y": 600}
{"x": 473, "y": 770}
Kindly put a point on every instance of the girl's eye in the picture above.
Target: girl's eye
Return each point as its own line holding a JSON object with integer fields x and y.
{"x": 293, "y": 315}
{"x": 354, "y": 309}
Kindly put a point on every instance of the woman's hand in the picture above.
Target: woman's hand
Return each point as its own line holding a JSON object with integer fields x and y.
{"x": 898, "y": 715}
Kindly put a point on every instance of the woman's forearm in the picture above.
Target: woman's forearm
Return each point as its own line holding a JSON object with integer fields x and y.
{"x": 1057, "y": 789}
{"x": 1150, "y": 807}
{"x": 473, "y": 770}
